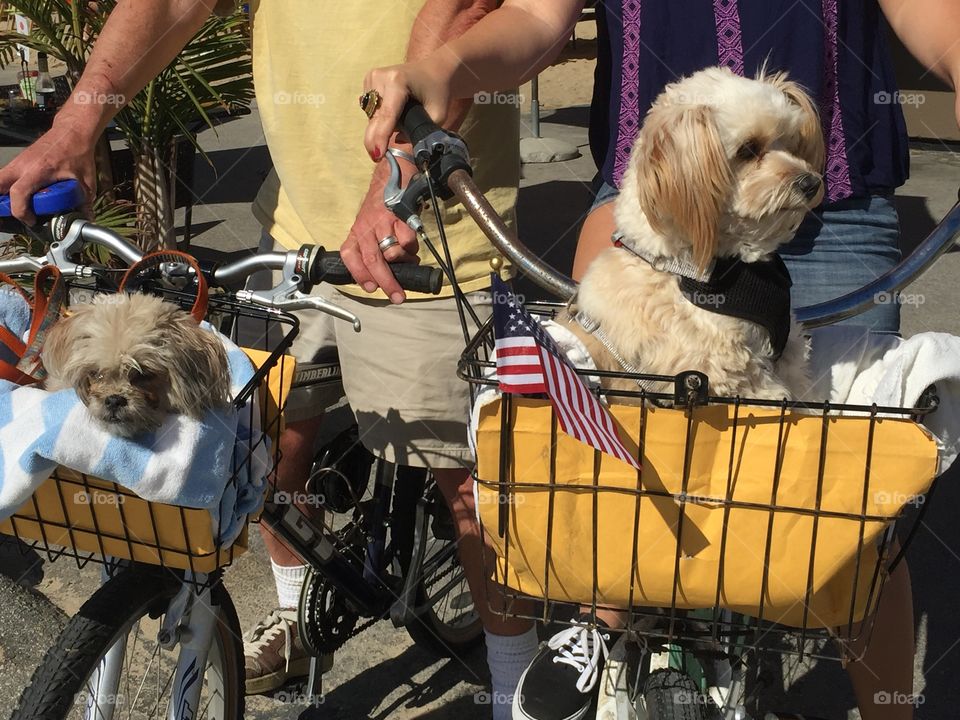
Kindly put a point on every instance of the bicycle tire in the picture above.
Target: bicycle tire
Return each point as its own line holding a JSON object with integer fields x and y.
{"x": 431, "y": 631}
{"x": 672, "y": 695}
{"x": 113, "y": 610}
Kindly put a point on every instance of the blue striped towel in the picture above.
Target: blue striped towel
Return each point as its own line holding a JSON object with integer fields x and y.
{"x": 219, "y": 463}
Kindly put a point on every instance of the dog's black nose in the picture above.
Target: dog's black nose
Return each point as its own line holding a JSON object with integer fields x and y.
{"x": 114, "y": 402}
{"x": 809, "y": 184}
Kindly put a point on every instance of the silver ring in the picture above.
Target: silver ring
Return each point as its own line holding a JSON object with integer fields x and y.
{"x": 388, "y": 242}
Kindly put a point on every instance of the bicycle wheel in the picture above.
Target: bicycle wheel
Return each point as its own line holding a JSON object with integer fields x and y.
{"x": 672, "y": 695}
{"x": 131, "y": 606}
{"x": 448, "y": 622}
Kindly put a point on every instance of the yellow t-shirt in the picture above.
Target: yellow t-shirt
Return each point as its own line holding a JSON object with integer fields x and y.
{"x": 309, "y": 61}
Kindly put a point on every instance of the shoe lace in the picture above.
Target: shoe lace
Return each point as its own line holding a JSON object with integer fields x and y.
{"x": 265, "y": 631}
{"x": 584, "y": 648}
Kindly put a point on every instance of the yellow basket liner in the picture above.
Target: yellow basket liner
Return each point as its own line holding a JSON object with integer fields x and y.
{"x": 88, "y": 515}
{"x": 902, "y": 465}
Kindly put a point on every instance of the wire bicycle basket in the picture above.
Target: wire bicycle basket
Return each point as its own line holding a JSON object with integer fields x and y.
{"x": 76, "y": 515}
{"x": 750, "y": 523}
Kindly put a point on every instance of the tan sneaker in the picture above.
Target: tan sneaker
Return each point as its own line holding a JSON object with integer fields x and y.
{"x": 273, "y": 654}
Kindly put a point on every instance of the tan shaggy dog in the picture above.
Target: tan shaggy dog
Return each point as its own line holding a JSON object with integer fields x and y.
{"x": 724, "y": 168}
{"x": 134, "y": 359}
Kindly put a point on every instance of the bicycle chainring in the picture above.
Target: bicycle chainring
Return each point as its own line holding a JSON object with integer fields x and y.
{"x": 325, "y": 621}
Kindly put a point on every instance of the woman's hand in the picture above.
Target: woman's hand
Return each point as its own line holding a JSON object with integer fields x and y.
{"x": 397, "y": 84}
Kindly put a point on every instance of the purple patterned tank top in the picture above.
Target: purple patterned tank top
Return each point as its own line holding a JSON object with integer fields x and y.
{"x": 834, "y": 48}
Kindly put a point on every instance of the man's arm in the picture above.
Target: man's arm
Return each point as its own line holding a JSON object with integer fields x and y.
{"x": 930, "y": 30}
{"x": 438, "y": 22}
{"x": 139, "y": 39}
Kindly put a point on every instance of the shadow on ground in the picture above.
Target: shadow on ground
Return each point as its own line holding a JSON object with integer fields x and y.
{"x": 366, "y": 694}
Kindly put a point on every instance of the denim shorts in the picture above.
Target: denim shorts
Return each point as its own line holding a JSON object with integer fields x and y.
{"x": 838, "y": 248}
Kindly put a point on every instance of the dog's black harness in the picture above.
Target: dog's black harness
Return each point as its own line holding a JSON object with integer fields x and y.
{"x": 757, "y": 291}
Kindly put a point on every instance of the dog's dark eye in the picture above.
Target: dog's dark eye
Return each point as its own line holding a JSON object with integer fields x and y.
{"x": 138, "y": 377}
{"x": 750, "y": 150}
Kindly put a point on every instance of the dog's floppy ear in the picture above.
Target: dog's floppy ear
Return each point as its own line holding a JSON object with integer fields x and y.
{"x": 683, "y": 175}
{"x": 57, "y": 349}
{"x": 198, "y": 368}
{"x": 811, "y": 146}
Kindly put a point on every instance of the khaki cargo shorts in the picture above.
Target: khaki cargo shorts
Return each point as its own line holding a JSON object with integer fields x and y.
{"x": 399, "y": 373}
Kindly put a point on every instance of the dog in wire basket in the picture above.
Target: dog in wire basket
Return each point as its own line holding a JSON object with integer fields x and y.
{"x": 722, "y": 173}
{"x": 133, "y": 359}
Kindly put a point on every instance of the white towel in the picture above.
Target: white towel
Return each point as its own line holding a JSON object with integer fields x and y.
{"x": 861, "y": 368}
{"x": 185, "y": 462}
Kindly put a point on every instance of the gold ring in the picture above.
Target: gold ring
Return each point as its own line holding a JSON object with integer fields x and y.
{"x": 369, "y": 102}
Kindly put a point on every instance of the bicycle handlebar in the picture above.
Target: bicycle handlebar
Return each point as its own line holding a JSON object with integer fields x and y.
{"x": 299, "y": 269}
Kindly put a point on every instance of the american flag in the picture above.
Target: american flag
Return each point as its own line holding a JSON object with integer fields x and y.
{"x": 529, "y": 361}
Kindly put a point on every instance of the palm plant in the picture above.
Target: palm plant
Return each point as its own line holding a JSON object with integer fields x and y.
{"x": 212, "y": 72}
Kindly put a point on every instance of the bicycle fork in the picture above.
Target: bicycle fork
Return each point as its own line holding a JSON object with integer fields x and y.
{"x": 190, "y": 620}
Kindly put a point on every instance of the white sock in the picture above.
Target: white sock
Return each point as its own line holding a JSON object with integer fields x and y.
{"x": 289, "y": 581}
{"x": 507, "y": 657}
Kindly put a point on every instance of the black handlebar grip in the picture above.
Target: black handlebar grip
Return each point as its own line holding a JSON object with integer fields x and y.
{"x": 329, "y": 268}
{"x": 416, "y": 123}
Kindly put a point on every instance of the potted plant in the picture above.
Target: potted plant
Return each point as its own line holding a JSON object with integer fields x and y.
{"x": 212, "y": 75}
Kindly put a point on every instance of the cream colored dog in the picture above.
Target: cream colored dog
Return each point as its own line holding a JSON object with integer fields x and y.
{"x": 134, "y": 359}
{"x": 724, "y": 168}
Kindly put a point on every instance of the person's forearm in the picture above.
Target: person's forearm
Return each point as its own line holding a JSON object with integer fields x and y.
{"x": 507, "y": 47}
{"x": 438, "y": 22}
{"x": 930, "y": 30}
{"x": 139, "y": 39}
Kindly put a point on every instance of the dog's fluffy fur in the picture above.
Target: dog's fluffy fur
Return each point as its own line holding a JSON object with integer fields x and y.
{"x": 715, "y": 172}
{"x": 134, "y": 359}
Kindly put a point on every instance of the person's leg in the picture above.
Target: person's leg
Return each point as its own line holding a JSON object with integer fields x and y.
{"x": 596, "y": 231}
{"x": 273, "y": 654}
{"x": 400, "y": 378}
{"x": 838, "y": 250}
{"x": 511, "y": 641}
{"x": 841, "y": 248}
{"x": 883, "y": 676}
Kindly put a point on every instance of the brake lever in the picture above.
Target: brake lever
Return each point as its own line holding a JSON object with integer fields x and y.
{"x": 405, "y": 202}
{"x": 289, "y": 296}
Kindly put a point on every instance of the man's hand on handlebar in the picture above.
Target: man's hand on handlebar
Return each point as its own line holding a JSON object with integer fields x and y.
{"x": 62, "y": 153}
{"x": 361, "y": 252}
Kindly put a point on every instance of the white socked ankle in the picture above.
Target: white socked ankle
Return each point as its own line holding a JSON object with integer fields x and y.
{"x": 289, "y": 580}
{"x": 507, "y": 658}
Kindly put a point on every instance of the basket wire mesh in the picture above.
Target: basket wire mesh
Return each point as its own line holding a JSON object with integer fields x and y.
{"x": 89, "y": 519}
{"x": 712, "y": 624}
